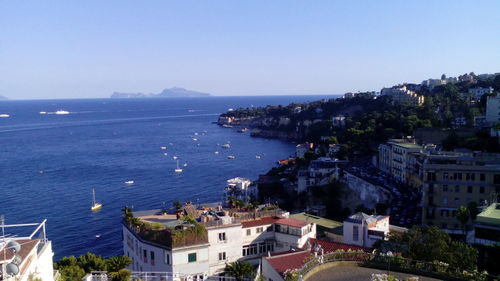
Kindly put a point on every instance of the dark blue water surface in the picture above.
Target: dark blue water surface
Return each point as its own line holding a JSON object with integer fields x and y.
{"x": 105, "y": 142}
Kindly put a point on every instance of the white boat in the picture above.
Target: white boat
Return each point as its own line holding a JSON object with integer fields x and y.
{"x": 43, "y": 112}
{"x": 62, "y": 112}
{"x": 185, "y": 164}
{"x": 129, "y": 182}
{"x": 175, "y": 157}
{"x": 195, "y": 134}
{"x": 195, "y": 139}
{"x": 231, "y": 157}
{"x": 178, "y": 170}
{"x": 226, "y": 145}
{"x": 4, "y": 115}
{"x": 165, "y": 154}
{"x": 98, "y": 236}
{"x": 216, "y": 152}
{"x": 95, "y": 205}
{"x": 163, "y": 147}
{"x": 257, "y": 156}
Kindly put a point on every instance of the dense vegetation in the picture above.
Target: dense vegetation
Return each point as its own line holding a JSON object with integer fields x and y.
{"x": 370, "y": 120}
{"x": 72, "y": 268}
{"x": 430, "y": 244}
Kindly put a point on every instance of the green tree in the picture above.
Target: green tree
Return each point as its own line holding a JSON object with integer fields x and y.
{"x": 114, "y": 264}
{"x": 71, "y": 273}
{"x": 177, "y": 205}
{"x": 240, "y": 270}
{"x": 121, "y": 275}
{"x": 91, "y": 262}
{"x": 463, "y": 216}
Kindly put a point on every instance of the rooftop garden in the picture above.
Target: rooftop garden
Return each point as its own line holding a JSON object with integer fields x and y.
{"x": 189, "y": 232}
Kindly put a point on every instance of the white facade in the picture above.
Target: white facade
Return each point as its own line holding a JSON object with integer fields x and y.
{"x": 240, "y": 188}
{"x": 393, "y": 158}
{"x": 228, "y": 241}
{"x": 493, "y": 109}
{"x": 31, "y": 255}
{"x": 225, "y": 247}
{"x": 363, "y": 230}
{"x": 301, "y": 149}
{"x": 400, "y": 94}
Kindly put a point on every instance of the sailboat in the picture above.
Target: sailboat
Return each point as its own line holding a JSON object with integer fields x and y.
{"x": 95, "y": 205}
{"x": 178, "y": 170}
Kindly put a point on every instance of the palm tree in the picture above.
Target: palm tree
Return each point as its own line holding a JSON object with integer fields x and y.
{"x": 463, "y": 216}
{"x": 240, "y": 270}
{"x": 114, "y": 264}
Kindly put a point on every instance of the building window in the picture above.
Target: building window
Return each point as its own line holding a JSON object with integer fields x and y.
{"x": 222, "y": 236}
{"x": 145, "y": 254}
{"x": 269, "y": 228}
{"x": 355, "y": 233}
{"x": 222, "y": 256}
{"x": 457, "y": 201}
{"x": 482, "y": 177}
{"x": 249, "y": 232}
{"x": 445, "y": 187}
{"x": 469, "y": 189}
{"x": 445, "y": 200}
{"x": 166, "y": 257}
{"x": 496, "y": 179}
{"x": 457, "y": 188}
{"x": 152, "y": 256}
{"x": 481, "y": 189}
{"x": 260, "y": 229}
{"x": 445, "y": 176}
{"x": 192, "y": 257}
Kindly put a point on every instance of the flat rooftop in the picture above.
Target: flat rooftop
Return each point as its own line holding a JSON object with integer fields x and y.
{"x": 490, "y": 215}
{"x": 317, "y": 220}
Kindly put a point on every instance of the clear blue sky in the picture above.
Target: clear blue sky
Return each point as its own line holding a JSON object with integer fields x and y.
{"x": 73, "y": 49}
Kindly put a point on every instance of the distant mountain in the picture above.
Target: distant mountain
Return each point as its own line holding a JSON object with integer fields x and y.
{"x": 167, "y": 93}
{"x": 3, "y": 98}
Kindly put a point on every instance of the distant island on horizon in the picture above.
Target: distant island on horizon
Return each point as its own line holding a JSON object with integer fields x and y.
{"x": 174, "y": 92}
{"x": 3, "y": 98}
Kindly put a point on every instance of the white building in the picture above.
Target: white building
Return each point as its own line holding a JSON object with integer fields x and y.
{"x": 301, "y": 149}
{"x": 400, "y": 94}
{"x": 23, "y": 258}
{"x": 338, "y": 121}
{"x": 477, "y": 93}
{"x": 493, "y": 109}
{"x": 394, "y": 156}
{"x": 165, "y": 243}
{"x": 240, "y": 188}
{"x": 364, "y": 230}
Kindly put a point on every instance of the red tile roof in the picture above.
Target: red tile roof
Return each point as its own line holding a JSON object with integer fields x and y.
{"x": 289, "y": 261}
{"x": 282, "y": 262}
{"x": 258, "y": 222}
{"x": 330, "y": 247}
{"x": 293, "y": 222}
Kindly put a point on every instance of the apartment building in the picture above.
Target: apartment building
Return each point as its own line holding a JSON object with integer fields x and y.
{"x": 401, "y": 94}
{"x": 394, "y": 157}
{"x": 452, "y": 179}
{"x": 493, "y": 109}
{"x": 24, "y": 258}
{"x": 195, "y": 250}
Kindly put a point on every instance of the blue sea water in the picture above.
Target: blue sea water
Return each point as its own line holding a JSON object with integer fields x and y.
{"x": 104, "y": 142}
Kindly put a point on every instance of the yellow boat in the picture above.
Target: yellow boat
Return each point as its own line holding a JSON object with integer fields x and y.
{"x": 95, "y": 205}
